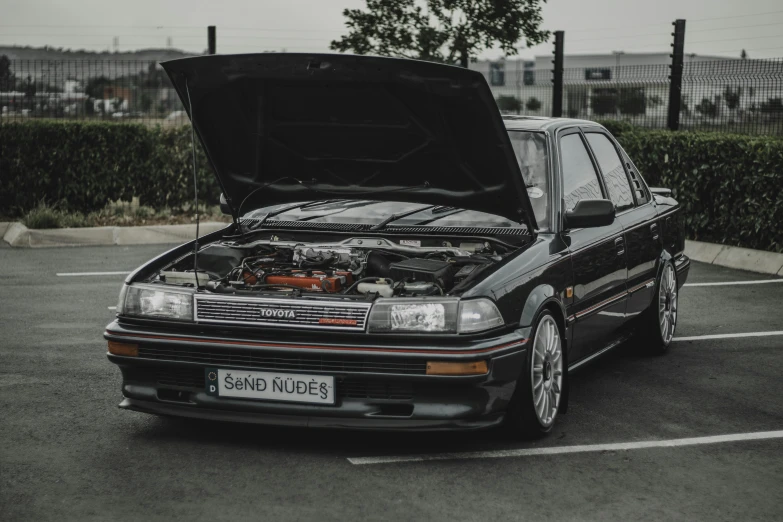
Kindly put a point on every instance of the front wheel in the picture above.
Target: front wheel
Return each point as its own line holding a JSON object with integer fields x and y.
{"x": 533, "y": 409}
{"x": 659, "y": 321}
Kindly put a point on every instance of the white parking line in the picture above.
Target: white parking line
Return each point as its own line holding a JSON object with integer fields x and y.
{"x": 530, "y": 452}
{"x": 727, "y": 336}
{"x": 111, "y": 307}
{"x": 76, "y": 274}
{"x": 727, "y": 283}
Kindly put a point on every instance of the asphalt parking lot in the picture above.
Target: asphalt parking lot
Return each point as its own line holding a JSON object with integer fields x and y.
{"x": 67, "y": 452}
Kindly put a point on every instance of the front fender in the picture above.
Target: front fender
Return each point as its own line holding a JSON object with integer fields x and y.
{"x": 538, "y": 297}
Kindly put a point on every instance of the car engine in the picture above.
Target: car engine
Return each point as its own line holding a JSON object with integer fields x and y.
{"x": 369, "y": 267}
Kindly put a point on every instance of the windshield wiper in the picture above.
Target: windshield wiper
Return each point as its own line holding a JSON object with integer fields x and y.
{"x": 436, "y": 218}
{"x": 293, "y": 207}
{"x": 395, "y": 217}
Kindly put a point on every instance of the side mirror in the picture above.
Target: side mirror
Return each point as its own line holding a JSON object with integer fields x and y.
{"x": 224, "y": 208}
{"x": 658, "y": 191}
{"x": 590, "y": 213}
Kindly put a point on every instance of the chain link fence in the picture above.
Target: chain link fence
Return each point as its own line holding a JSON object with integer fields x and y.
{"x": 743, "y": 96}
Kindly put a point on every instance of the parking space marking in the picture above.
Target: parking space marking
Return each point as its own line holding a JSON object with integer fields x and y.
{"x": 77, "y": 274}
{"x": 729, "y": 283}
{"x": 727, "y": 336}
{"x": 531, "y": 452}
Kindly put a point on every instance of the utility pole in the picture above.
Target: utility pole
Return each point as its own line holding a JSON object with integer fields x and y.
{"x": 557, "y": 73}
{"x": 211, "y": 40}
{"x": 675, "y": 78}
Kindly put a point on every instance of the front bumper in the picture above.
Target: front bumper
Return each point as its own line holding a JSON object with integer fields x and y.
{"x": 379, "y": 387}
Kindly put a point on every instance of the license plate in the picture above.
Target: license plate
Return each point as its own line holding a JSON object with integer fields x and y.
{"x": 270, "y": 386}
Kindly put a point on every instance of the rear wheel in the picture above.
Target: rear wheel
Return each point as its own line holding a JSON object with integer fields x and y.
{"x": 533, "y": 409}
{"x": 659, "y": 321}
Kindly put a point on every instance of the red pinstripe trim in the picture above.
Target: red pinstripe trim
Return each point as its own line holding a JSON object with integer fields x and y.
{"x": 602, "y": 303}
{"x": 311, "y": 347}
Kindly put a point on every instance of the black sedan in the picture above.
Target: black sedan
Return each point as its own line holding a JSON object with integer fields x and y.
{"x": 400, "y": 257}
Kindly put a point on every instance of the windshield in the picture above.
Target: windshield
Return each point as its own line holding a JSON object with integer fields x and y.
{"x": 531, "y": 152}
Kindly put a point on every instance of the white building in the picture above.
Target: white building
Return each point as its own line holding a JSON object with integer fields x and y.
{"x": 634, "y": 86}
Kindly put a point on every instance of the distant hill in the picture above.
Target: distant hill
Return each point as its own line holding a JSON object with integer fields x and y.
{"x": 51, "y": 53}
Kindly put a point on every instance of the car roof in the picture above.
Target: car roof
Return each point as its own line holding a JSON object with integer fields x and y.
{"x": 538, "y": 123}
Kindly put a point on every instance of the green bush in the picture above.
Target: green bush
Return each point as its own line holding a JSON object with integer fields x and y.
{"x": 730, "y": 186}
{"x": 81, "y": 166}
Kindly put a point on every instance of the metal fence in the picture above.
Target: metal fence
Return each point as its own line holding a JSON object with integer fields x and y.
{"x": 743, "y": 96}
{"x": 728, "y": 95}
{"x": 122, "y": 91}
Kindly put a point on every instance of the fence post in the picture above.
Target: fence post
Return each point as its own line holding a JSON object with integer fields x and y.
{"x": 557, "y": 76}
{"x": 211, "y": 40}
{"x": 675, "y": 78}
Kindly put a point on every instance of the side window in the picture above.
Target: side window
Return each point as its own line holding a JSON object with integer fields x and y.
{"x": 612, "y": 169}
{"x": 580, "y": 180}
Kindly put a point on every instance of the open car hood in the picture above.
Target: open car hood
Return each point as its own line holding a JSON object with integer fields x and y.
{"x": 281, "y": 128}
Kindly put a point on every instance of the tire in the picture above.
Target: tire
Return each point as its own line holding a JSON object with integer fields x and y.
{"x": 533, "y": 409}
{"x": 659, "y": 321}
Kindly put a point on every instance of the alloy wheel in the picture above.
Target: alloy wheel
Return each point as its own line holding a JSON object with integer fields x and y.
{"x": 667, "y": 304}
{"x": 547, "y": 370}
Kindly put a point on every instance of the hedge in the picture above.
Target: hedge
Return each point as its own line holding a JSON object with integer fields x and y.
{"x": 81, "y": 166}
{"x": 731, "y": 186}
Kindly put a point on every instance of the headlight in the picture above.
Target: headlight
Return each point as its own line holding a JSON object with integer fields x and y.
{"x": 152, "y": 301}
{"x": 433, "y": 315}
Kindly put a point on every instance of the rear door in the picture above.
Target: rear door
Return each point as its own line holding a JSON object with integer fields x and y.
{"x": 637, "y": 216}
{"x": 597, "y": 255}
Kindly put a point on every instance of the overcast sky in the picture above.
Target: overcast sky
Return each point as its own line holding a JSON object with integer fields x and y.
{"x": 714, "y": 27}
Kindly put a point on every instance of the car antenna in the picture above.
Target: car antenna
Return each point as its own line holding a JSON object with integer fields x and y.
{"x": 195, "y": 181}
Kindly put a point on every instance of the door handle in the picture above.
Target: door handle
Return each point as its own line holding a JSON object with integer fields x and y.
{"x": 619, "y": 244}
{"x": 654, "y": 230}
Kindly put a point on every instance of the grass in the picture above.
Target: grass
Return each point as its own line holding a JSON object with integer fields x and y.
{"x": 117, "y": 213}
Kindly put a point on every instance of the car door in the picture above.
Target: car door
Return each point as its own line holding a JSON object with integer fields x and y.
{"x": 597, "y": 255}
{"x": 635, "y": 213}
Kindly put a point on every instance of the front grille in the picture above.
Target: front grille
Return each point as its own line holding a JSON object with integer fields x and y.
{"x": 346, "y": 388}
{"x": 289, "y": 362}
{"x": 328, "y": 315}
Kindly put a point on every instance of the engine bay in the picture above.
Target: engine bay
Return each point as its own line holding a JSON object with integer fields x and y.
{"x": 355, "y": 267}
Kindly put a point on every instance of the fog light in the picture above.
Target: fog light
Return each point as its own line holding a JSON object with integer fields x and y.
{"x": 456, "y": 368}
{"x": 128, "y": 350}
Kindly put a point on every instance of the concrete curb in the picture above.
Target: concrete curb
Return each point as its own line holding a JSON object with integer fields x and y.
{"x": 18, "y": 235}
{"x": 735, "y": 257}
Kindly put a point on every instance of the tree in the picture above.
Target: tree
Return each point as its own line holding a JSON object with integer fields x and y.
{"x": 732, "y": 97}
{"x": 744, "y": 55}
{"x": 509, "y": 103}
{"x": 533, "y": 104}
{"x": 449, "y": 31}
{"x": 707, "y": 107}
{"x": 7, "y": 78}
{"x": 772, "y": 106}
{"x": 94, "y": 87}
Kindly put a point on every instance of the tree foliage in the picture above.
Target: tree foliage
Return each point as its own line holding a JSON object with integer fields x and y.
{"x": 509, "y": 103}
{"x": 449, "y": 31}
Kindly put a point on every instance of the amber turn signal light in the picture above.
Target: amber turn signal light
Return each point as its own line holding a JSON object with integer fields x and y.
{"x": 128, "y": 350}
{"x": 456, "y": 368}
